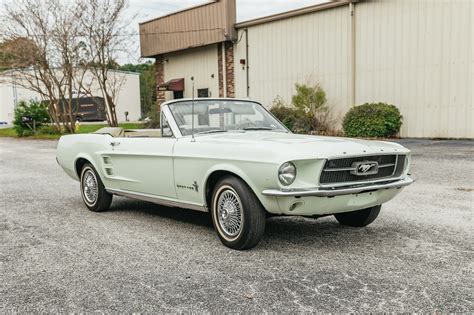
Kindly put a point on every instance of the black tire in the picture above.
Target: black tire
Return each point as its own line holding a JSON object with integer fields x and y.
{"x": 79, "y": 119}
{"x": 358, "y": 218}
{"x": 252, "y": 214}
{"x": 96, "y": 198}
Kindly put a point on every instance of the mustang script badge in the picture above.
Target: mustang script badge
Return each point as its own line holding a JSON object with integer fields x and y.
{"x": 365, "y": 168}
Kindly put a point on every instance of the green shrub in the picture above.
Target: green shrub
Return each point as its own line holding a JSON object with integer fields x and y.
{"x": 294, "y": 119}
{"x": 372, "y": 120}
{"x": 308, "y": 111}
{"x": 36, "y": 110}
{"x": 310, "y": 99}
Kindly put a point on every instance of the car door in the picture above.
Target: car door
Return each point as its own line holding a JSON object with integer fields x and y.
{"x": 143, "y": 165}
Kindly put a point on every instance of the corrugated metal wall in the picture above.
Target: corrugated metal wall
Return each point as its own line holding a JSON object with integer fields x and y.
{"x": 200, "y": 63}
{"x": 416, "y": 54}
{"x": 310, "y": 48}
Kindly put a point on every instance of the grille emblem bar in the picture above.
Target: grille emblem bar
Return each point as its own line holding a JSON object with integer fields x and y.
{"x": 365, "y": 168}
{"x": 347, "y": 170}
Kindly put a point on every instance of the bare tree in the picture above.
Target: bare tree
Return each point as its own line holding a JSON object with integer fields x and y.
{"x": 55, "y": 52}
{"x": 72, "y": 48}
{"x": 103, "y": 30}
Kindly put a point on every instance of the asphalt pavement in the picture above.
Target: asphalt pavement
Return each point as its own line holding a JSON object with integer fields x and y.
{"x": 56, "y": 256}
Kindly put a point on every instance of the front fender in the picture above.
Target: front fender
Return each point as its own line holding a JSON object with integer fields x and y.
{"x": 255, "y": 176}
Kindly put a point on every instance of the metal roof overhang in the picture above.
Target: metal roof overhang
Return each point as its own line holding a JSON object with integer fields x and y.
{"x": 288, "y": 14}
{"x": 172, "y": 85}
{"x": 205, "y": 24}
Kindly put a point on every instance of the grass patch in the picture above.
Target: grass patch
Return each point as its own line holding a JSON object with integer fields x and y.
{"x": 83, "y": 128}
{"x": 7, "y": 132}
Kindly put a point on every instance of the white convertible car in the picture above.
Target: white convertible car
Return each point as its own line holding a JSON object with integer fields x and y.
{"x": 233, "y": 158}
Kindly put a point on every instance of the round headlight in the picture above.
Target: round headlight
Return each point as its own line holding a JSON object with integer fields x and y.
{"x": 287, "y": 173}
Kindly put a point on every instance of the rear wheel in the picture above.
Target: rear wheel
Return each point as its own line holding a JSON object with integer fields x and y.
{"x": 359, "y": 218}
{"x": 237, "y": 215}
{"x": 93, "y": 192}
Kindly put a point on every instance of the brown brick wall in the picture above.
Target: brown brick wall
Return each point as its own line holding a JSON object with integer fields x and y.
{"x": 160, "y": 78}
{"x": 229, "y": 68}
{"x": 220, "y": 69}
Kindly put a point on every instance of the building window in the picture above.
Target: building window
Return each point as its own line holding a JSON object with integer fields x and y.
{"x": 203, "y": 92}
{"x": 177, "y": 94}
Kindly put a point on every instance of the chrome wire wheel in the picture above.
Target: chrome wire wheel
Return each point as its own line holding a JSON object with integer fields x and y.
{"x": 229, "y": 212}
{"x": 90, "y": 187}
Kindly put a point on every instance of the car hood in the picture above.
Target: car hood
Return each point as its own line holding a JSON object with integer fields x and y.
{"x": 291, "y": 146}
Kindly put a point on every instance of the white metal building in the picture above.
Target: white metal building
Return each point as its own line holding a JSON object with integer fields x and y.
{"x": 415, "y": 54}
{"x": 128, "y": 100}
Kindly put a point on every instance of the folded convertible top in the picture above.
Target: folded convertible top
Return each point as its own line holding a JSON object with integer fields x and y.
{"x": 113, "y": 131}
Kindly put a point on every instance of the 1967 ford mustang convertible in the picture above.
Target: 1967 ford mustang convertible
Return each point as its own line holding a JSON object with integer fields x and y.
{"x": 234, "y": 159}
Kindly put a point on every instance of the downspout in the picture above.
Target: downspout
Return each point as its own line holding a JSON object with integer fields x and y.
{"x": 247, "y": 60}
{"x": 353, "y": 54}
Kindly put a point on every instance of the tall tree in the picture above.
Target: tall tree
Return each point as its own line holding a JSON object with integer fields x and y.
{"x": 103, "y": 32}
{"x": 15, "y": 53}
{"x": 54, "y": 52}
{"x": 73, "y": 48}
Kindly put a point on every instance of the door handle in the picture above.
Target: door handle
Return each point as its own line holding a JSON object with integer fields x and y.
{"x": 114, "y": 144}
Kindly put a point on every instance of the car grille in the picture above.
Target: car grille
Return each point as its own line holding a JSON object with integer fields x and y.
{"x": 338, "y": 171}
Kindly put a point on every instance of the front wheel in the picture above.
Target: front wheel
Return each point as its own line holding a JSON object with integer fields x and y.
{"x": 93, "y": 192}
{"x": 237, "y": 215}
{"x": 359, "y": 218}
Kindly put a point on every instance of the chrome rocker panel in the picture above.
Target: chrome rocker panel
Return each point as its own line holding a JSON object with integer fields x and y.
{"x": 169, "y": 202}
{"x": 328, "y": 192}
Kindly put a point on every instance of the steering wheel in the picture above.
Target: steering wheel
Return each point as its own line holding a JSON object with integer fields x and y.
{"x": 247, "y": 123}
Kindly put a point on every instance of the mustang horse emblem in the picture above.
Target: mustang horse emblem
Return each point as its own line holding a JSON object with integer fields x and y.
{"x": 365, "y": 168}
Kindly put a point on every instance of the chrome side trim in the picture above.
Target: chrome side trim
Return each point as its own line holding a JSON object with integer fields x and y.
{"x": 169, "y": 202}
{"x": 325, "y": 192}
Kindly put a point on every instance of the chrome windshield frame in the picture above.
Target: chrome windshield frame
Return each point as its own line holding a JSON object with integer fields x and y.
{"x": 177, "y": 131}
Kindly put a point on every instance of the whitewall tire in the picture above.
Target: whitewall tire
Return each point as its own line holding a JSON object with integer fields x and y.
{"x": 93, "y": 192}
{"x": 237, "y": 215}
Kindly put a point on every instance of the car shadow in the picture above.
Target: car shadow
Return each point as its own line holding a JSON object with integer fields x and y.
{"x": 279, "y": 231}
{"x": 177, "y": 214}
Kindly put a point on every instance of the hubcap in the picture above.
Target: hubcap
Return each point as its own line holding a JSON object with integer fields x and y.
{"x": 229, "y": 212}
{"x": 90, "y": 187}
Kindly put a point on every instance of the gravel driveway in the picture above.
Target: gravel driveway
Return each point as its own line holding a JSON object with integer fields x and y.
{"x": 56, "y": 256}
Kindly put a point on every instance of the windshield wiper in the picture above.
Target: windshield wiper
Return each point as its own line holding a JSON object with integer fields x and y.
{"x": 258, "y": 128}
{"x": 211, "y": 131}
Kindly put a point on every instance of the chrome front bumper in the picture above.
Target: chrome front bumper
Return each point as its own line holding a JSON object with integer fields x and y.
{"x": 331, "y": 192}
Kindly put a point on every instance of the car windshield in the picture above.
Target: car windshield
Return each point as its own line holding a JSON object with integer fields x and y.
{"x": 212, "y": 116}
